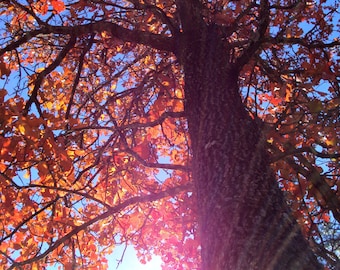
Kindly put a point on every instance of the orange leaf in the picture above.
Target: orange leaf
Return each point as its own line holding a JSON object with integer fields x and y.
{"x": 325, "y": 217}
{"x": 44, "y": 8}
{"x": 58, "y": 5}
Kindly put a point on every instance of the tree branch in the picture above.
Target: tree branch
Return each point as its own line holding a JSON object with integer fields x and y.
{"x": 318, "y": 182}
{"x": 22, "y": 223}
{"x": 158, "y": 12}
{"x": 306, "y": 149}
{"x": 155, "y": 41}
{"x": 303, "y": 42}
{"x": 134, "y": 125}
{"x": 113, "y": 210}
{"x": 41, "y": 76}
{"x": 258, "y": 36}
{"x": 157, "y": 165}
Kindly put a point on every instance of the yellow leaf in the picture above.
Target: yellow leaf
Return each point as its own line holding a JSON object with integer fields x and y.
{"x": 40, "y": 69}
{"x": 331, "y": 141}
{"x": 71, "y": 154}
{"x": 80, "y": 152}
{"x": 27, "y": 174}
{"x": 105, "y": 34}
{"x": 22, "y": 129}
{"x": 147, "y": 60}
{"x": 178, "y": 93}
{"x": 49, "y": 105}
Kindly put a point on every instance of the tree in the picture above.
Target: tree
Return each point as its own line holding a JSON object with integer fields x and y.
{"x": 203, "y": 131}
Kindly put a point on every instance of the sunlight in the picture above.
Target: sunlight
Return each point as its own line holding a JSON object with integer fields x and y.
{"x": 130, "y": 260}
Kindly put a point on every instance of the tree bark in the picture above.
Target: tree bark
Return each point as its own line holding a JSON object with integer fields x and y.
{"x": 244, "y": 221}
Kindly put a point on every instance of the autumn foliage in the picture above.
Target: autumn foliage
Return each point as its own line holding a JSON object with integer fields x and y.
{"x": 94, "y": 144}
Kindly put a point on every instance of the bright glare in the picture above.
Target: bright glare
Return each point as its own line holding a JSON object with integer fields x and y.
{"x": 131, "y": 262}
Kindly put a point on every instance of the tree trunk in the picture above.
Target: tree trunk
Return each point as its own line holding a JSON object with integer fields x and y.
{"x": 244, "y": 221}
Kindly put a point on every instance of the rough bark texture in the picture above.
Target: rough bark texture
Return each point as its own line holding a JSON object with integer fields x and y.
{"x": 244, "y": 221}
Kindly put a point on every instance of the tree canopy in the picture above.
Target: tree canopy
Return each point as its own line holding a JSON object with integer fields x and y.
{"x": 95, "y": 146}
